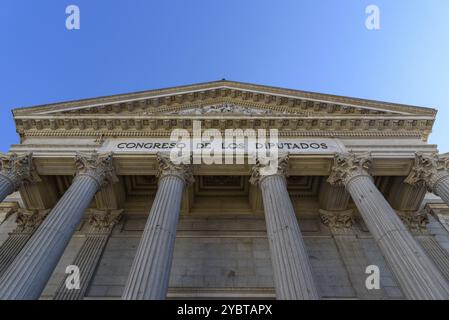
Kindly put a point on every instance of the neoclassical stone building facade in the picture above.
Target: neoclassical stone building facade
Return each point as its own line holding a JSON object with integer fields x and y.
{"x": 91, "y": 185}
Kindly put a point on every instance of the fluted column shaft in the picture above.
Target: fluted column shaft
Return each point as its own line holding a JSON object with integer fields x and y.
{"x": 11, "y": 248}
{"x": 292, "y": 271}
{"x": 28, "y": 274}
{"x": 8, "y": 184}
{"x": 27, "y": 222}
{"x": 150, "y": 271}
{"x": 441, "y": 187}
{"x": 416, "y": 273}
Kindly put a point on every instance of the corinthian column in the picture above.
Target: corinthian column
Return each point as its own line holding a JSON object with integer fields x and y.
{"x": 417, "y": 275}
{"x": 150, "y": 271}
{"x": 27, "y": 222}
{"x": 431, "y": 170}
{"x": 14, "y": 170}
{"x": 28, "y": 274}
{"x": 292, "y": 272}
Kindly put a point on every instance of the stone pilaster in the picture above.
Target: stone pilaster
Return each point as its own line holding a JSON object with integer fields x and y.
{"x": 417, "y": 224}
{"x": 417, "y": 275}
{"x": 27, "y": 222}
{"x": 150, "y": 272}
{"x": 14, "y": 170}
{"x": 292, "y": 272}
{"x": 431, "y": 170}
{"x": 101, "y": 224}
{"x": 28, "y": 274}
{"x": 340, "y": 223}
{"x": 441, "y": 213}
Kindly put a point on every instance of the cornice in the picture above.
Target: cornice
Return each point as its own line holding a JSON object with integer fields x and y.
{"x": 288, "y": 126}
{"x": 164, "y": 133}
{"x": 182, "y": 94}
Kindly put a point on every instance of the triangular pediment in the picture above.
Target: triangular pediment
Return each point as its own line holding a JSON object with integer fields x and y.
{"x": 222, "y": 98}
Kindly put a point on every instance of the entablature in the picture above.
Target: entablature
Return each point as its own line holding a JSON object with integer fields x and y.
{"x": 299, "y": 165}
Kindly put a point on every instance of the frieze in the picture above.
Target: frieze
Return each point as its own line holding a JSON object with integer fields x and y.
{"x": 152, "y": 145}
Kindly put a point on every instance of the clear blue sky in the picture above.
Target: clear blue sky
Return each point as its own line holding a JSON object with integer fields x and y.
{"x": 314, "y": 45}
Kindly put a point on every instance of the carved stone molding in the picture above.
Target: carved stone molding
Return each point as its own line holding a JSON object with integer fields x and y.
{"x": 227, "y": 108}
{"x": 416, "y": 221}
{"x": 280, "y": 169}
{"x": 302, "y": 130}
{"x": 349, "y": 165}
{"x": 428, "y": 170}
{"x": 6, "y": 210}
{"x": 98, "y": 166}
{"x": 102, "y": 221}
{"x": 168, "y": 168}
{"x": 337, "y": 219}
{"x": 445, "y": 160}
{"x": 29, "y": 220}
{"x": 18, "y": 168}
{"x": 242, "y": 92}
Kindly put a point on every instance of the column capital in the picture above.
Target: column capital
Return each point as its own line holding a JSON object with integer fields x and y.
{"x": 28, "y": 220}
{"x": 277, "y": 169}
{"x": 428, "y": 169}
{"x": 168, "y": 168}
{"x": 337, "y": 219}
{"x": 348, "y": 166}
{"x": 416, "y": 221}
{"x": 102, "y": 221}
{"x": 97, "y": 166}
{"x": 18, "y": 168}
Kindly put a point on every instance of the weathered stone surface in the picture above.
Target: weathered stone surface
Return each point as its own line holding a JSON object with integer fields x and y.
{"x": 417, "y": 274}
{"x": 28, "y": 274}
{"x": 15, "y": 169}
{"x": 292, "y": 271}
{"x": 432, "y": 170}
{"x": 150, "y": 272}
